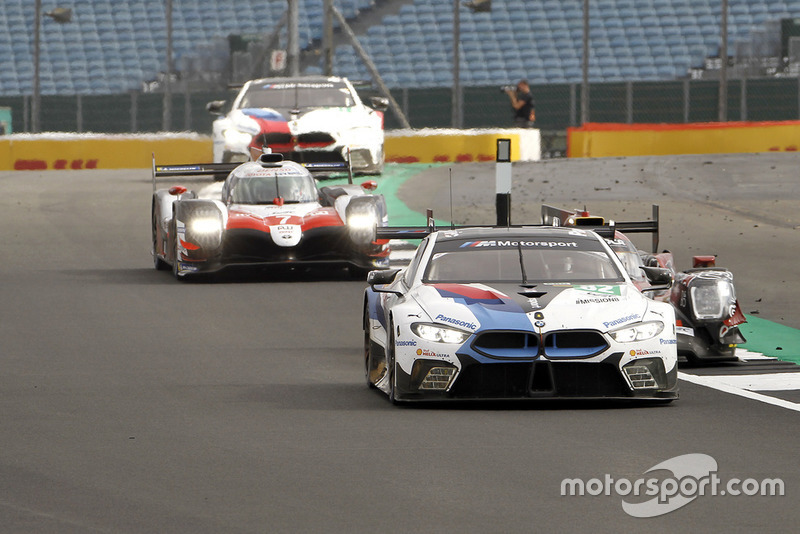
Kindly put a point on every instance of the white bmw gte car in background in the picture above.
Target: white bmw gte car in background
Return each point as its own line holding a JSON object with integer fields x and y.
{"x": 306, "y": 119}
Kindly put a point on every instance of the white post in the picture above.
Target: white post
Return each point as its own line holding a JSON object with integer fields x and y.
{"x": 503, "y": 182}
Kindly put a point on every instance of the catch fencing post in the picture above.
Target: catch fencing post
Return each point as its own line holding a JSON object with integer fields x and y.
{"x": 503, "y": 182}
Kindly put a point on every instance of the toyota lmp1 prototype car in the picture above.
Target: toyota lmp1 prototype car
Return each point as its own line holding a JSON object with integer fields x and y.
{"x": 270, "y": 212}
{"x": 516, "y": 313}
{"x": 707, "y": 312}
{"x": 307, "y": 119}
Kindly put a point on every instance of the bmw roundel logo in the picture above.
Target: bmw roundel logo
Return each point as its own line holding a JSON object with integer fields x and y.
{"x": 539, "y": 324}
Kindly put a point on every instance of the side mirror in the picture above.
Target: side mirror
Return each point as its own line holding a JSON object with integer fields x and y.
{"x": 704, "y": 261}
{"x": 369, "y": 185}
{"x": 383, "y": 278}
{"x": 177, "y": 190}
{"x": 660, "y": 277}
{"x": 379, "y": 103}
{"x": 216, "y": 107}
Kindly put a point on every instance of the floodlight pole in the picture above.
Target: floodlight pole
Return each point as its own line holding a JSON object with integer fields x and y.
{"x": 60, "y": 15}
{"x": 293, "y": 34}
{"x": 35, "y": 101}
{"x": 723, "y": 65}
{"x": 327, "y": 37}
{"x": 585, "y": 66}
{"x": 455, "y": 116}
{"x": 166, "y": 117}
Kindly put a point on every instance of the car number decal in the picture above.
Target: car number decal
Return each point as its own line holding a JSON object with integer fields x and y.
{"x": 601, "y": 289}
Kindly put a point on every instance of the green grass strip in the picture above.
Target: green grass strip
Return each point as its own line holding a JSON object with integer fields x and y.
{"x": 395, "y": 175}
{"x": 771, "y": 339}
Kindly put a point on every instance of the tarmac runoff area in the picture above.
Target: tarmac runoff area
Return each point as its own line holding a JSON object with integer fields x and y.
{"x": 743, "y": 208}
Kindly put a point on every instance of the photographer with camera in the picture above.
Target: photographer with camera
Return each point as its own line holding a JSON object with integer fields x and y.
{"x": 522, "y": 102}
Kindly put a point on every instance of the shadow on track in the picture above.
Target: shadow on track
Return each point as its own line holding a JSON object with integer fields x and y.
{"x": 357, "y": 396}
{"x": 231, "y": 275}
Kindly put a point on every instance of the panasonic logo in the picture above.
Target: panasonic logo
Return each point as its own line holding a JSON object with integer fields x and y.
{"x": 621, "y": 320}
{"x": 456, "y": 322}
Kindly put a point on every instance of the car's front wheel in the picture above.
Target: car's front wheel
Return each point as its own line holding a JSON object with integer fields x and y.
{"x": 390, "y": 365}
{"x": 367, "y": 351}
{"x": 176, "y": 252}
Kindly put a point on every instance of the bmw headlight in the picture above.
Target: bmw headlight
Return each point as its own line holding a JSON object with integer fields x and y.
{"x": 637, "y": 332}
{"x": 237, "y": 138}
{"x": 711, "y": 299}
{"x": 439, "y": 333}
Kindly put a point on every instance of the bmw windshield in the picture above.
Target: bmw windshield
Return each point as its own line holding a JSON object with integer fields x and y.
{"x": 290, "y": 95}
{"x": 528, "y": 260}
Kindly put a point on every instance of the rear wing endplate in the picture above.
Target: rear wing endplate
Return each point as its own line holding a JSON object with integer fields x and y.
{"x": 223, "y": 169}
{"x": 552, "y": 216}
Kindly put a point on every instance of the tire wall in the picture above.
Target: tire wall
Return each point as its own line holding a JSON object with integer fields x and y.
{"x": 66, "y": 151}
{"x": 454, "y": 146}
{"x": 598, "y": 140}
{"x": 98, "y": 151}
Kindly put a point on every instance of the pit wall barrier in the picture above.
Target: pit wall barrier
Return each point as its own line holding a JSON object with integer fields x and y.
{"x": 460, "y": 146}
{"x": 53, "y": 151}
{"x": 599, "y": 140}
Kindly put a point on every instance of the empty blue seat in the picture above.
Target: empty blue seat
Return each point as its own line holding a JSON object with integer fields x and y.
{"x": 128, "y": 38}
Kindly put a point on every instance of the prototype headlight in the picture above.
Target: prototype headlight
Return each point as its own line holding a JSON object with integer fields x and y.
{"x": 637, "y": 332}
{"x": 711, "y": 299}
{"x": 362, "y": 221}
{"x": 361, "y": 224}
{"x": 204, "y": 228}
{"x": 439, "y": 334}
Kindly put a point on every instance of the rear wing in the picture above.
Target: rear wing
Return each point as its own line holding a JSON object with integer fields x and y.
{"x": 421, "y": 232}
{"x": 407, "y": 232}
{"x": 552, "y": 216}
{"x": 221, "y": 170}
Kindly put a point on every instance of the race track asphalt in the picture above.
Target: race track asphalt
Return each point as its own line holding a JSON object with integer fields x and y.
{"x": 134, "y": 403}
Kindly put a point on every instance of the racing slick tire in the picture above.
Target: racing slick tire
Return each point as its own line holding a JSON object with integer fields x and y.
{"x": 158, "y": 263}
{"x": 390, "y": 365}
{"x": 173, "y": 241}
{"x": 367, "y": 351}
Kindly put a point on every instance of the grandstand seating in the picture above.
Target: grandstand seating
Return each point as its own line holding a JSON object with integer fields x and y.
{"x": 542, "y": 39}
{"x": 113, "y": 47}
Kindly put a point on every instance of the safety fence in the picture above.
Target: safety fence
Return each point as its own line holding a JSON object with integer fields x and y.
{"x": 557, "y": 106}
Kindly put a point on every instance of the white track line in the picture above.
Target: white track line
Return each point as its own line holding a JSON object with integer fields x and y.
{"x": 721, "y": 384}
{"x": 747, "y": 356}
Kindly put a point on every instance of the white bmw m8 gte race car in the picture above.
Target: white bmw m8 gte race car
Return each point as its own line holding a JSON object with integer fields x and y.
{"x": 270, "y": 212}
{"x": 307, "y": 119}
{"x": 516, "y": 313}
